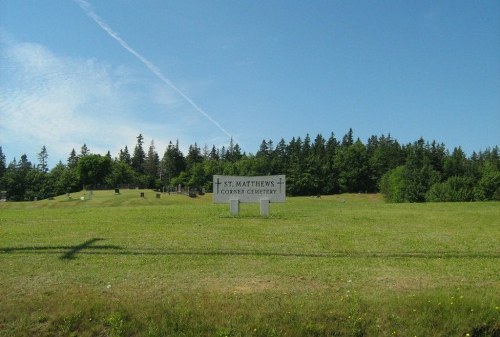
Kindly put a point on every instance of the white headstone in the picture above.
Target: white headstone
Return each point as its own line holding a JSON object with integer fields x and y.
{"x": 264, "y": 207}
{"x": 235, "y": 207}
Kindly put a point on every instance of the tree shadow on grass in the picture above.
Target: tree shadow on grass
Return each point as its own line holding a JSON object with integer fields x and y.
{"x": 89, "y": 248}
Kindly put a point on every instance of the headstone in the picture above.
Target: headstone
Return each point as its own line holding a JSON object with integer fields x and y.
{"x": 264, "y": 207}
{"x": 117, "y": 191}
{"x": 142, "y": 194}
{"x": 235, "y": 207}
{"x": 3, "y": 195}
{"x": 158, "y": 195}
{"x": 235, "y": 190}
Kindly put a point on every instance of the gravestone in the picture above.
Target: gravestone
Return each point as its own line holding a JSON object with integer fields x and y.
{"x": 142, "y": 194}
{"x": 117, "y": 191}
{"x": 234, "y": 190}
{"x": 158, "y": 195}
{"x": 3, "y": 195}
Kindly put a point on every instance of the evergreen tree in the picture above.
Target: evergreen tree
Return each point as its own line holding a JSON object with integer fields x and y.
{"x": 16, "y": 178}
{"x": 236, "y": 153}
{"x": 456, "y": 164}
{"x": 384, "y": 154}
{"x": 418, "y": 174}
{"x": 139, "y": 156}
{"x": 437, "y": 155}
{"x": 229, "y": 152}
{"x": 331, "y": 175}
{"x": 194, "y": 156}
{"x": 206, "y": 152}
{"x": 295, "y": 167}
{"x": 124, "y": 156}
{"x": 3, "y": 167}
{"x": 72, "y": 159}
{"x": 152, "y": 165}
{"x": 263, "y": 150}
{"x": 214, "y": 154}
{"x": 348, "y": 138}
{"x": 318, "y": 166}
{"x": 42, "y": 160}
{"x": 351, "y": 163}
{"x": 173, "y": 162}
{"x": 279, "y": 161}
{"x": 84, "y": 151}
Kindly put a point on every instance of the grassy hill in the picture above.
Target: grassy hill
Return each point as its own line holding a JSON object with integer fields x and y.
{"x": 346, "y": 265}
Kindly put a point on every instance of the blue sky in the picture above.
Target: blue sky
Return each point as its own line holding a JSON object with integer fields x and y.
{"x": 101, "y": 72}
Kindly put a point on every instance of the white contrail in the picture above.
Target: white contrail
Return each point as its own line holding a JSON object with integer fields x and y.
{"x": 88, "y": 10}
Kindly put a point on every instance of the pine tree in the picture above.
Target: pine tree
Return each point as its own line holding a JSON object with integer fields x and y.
{"x": 124, "y": 156}
{"x": 348, "y": 138}
{"x": 42, "y": 160}
{"x": 72, "y": 159}
{"x": 139, "y": 155}
{"x": 173, "y": 162}
{"x": 279, "y": 161}
{"x": 152, "y": 164}
{"x": 84, "y": 151}
{"x": 3, "y": 166}
{"x": 214, "y": 153}
{"x": 194, "y": 156}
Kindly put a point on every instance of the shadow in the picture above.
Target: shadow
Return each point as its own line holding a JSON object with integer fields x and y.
{"x": 68, "y": 252}
{"x": 88, "y": 248}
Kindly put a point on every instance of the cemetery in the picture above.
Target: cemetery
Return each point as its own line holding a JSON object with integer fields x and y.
{"x": 345, "y": 265}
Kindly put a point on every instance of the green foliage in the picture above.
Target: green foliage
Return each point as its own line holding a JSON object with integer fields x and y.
{"x": 455, "y": 188}
{"x": 121, "y": 174}
{"x": 415, "y": 172}
{"x": 392, "y": 185}
{"x": 351, "y": 162}
{"x": 488, "y": 187}
{"x": 93, "y": 169}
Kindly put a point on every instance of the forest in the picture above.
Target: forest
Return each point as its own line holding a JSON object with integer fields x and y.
{"x": 414, "y": 172}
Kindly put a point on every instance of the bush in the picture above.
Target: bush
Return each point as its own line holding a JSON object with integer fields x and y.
{"x": 454, "y": 189}
{"x": 489, "y": 185}
{"x": 392, "y": 185}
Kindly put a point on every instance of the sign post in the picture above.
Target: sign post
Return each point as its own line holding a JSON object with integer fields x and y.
{"x": 234, "y": 190}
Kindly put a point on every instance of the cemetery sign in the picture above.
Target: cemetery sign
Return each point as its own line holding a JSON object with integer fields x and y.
{"x": 234, "y": 190}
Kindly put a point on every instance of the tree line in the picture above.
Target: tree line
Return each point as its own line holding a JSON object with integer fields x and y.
{"x": 413, "y": 172}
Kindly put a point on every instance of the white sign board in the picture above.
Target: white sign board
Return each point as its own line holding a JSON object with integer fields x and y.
{"x": 249, "y": 189}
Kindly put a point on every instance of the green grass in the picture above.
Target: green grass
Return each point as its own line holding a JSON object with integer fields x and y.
{"x": 347, "y": 265}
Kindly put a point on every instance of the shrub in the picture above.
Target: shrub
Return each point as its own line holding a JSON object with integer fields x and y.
{"x": 454, "y": 189}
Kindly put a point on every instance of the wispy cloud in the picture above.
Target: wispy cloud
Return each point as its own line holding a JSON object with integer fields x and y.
{"x": 63, "y": 102}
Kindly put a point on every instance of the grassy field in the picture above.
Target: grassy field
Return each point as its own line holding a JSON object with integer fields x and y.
{"x": 347, "y": 265}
